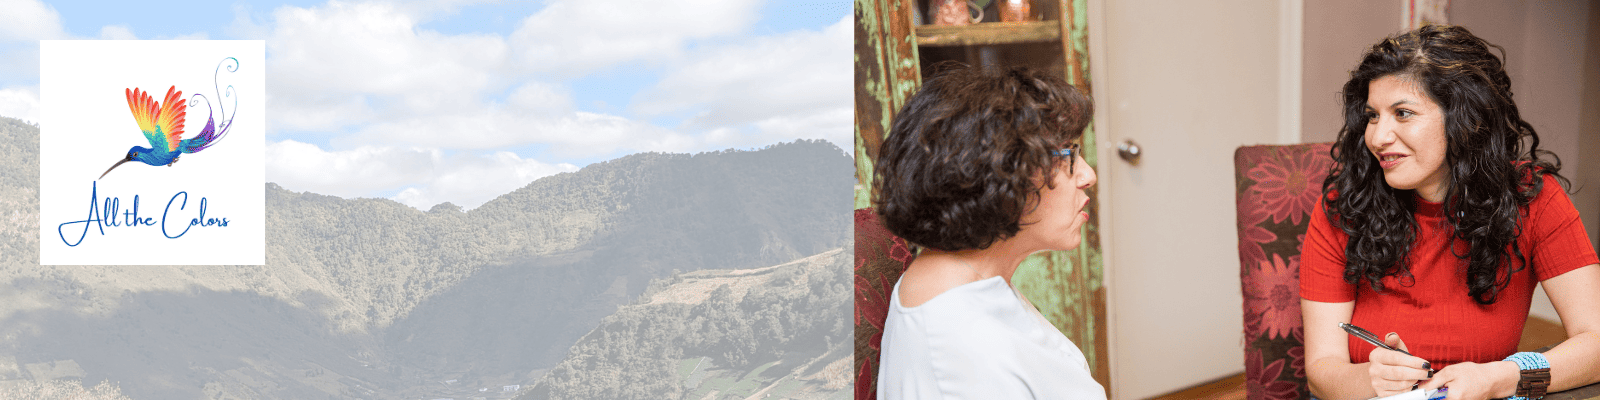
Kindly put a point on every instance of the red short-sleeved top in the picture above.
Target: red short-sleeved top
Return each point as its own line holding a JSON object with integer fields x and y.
{"x": 1433, "y": 313}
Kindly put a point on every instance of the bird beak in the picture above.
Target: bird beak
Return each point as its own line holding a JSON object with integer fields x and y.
{"x": 114, "y": 166}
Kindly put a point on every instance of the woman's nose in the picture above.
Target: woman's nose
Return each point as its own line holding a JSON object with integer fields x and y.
{"x": 1381, "y": 134}
{"x": 1086, "y": 175}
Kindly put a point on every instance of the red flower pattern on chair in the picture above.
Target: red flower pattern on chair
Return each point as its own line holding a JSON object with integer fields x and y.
{"x": 1277, "y": 295}
{"x": 1288, "y": 183}
{"x": 1276, "y": 189}
{"x": 880, "y": 259}
{"x": 1252, "y": 235}
{"x": 1260, "y": 382}
{"x": 1298, "y": 353}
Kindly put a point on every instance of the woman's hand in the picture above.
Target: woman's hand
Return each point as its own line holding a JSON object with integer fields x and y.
{"x": 1473, "y": 381}
{"x": 1394, "y": 372}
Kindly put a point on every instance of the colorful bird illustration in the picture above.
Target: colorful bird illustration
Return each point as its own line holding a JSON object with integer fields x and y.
{"x": 162, "y": 123}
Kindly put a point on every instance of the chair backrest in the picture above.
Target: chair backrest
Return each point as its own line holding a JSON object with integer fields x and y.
{"x": 880, "y": 259}
{"x": 1277, "y": 188}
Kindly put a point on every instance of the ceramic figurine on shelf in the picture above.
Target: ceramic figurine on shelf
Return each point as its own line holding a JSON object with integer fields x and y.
{"x": 954, "y": 12}
{"x": 1015, "y": 10}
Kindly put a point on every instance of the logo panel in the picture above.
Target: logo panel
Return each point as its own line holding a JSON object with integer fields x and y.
{"x": 152, "y": 152}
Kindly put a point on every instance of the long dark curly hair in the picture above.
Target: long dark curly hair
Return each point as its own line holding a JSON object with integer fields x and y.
{"x": 1492, "y": 160}
{"x": 962, "y": 161}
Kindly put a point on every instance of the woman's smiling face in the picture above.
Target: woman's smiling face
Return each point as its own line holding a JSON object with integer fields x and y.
{"x": 1405, "y": 131}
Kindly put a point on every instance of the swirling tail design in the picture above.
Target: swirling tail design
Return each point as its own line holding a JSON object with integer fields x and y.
{"x": 212, "y": 133}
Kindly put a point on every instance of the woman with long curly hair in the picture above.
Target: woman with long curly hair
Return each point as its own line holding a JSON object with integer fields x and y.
{"x": 1440, "y": 215}
{"x": 981, "y": 170}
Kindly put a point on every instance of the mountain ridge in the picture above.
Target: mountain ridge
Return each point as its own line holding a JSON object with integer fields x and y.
{"x": 351, "y": 274}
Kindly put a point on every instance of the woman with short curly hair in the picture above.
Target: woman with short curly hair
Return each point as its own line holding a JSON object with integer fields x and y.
{"x": 981, "y": 170}
{"x": 1438, "y": 218}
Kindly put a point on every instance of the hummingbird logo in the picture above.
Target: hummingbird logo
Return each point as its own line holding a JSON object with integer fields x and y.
{"x": 162, "y": 124}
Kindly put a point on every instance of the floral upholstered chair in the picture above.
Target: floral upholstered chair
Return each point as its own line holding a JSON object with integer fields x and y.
{"x": 880, "y": 259}
{"x": 1276, "y": 188}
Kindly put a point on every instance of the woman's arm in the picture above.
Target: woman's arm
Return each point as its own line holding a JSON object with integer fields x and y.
{"x": 1574, "y": 363}
{"x": 1329, "y": 372}
{"x": 1576, "y": 295}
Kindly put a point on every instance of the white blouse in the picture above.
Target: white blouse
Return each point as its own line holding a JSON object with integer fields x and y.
{"x": 980, "y": 340}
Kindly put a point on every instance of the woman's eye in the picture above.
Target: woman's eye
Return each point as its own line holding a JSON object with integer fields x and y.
{"x": 1403, "y": 113}
{"x": 1372, "y": 117}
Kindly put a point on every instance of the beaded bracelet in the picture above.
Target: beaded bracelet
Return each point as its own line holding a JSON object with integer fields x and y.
{"x": 1535, "y": 378}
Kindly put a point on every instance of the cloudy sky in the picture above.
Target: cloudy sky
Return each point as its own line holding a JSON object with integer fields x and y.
{"x": 430, "y": 101}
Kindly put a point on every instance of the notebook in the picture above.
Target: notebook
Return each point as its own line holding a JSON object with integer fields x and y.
{"x": 1419, "y": 394}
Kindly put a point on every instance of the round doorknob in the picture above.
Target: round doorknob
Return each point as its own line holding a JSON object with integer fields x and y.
{"x": 1129, "y": 151}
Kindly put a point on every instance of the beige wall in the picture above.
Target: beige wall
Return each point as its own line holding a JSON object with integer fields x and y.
{"x": 1336, "y": 34}
{"x": 1588, "y": 201}
{"x": 1552, "y": 55}
{"x": 1547, "y": 43}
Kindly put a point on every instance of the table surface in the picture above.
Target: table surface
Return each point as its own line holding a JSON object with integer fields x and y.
{"x": 1587, "y": 392}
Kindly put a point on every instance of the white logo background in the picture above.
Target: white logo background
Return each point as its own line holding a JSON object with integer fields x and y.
{"x": 86, "y": 126}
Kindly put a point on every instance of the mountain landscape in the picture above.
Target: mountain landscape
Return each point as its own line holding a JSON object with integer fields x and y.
{"x": 738, "y": 334}
{"x": 735, "y": 258}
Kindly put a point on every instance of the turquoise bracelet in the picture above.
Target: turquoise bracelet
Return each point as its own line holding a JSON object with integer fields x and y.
{"x": 1535, "y": 375}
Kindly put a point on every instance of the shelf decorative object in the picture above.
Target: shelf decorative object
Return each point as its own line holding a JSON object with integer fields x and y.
{"x": 1015, "y": 10}
{"x": 954, "y": 12}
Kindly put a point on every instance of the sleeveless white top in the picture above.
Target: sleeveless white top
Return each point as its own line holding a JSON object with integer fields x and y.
{"x": 980, "y": 340}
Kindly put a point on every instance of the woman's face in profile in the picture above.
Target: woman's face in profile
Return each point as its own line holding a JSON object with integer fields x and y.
{"x": 1060, "y": 214}
{"x": 1405, "y": 131}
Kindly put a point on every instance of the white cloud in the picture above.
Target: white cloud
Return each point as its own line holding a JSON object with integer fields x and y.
{"x": 244, "y": 27}
{"x": 406, "y": 108}
{"x": 350, "y": 173}
{"x": 836, "y": 125}
{"x": 192, "y": 36}
{"x": 28, "y": 20}
{"x": 117, "y": 32}
{"x": 573, "y": 37}
{"x": 377, "y": 48}
{"x": 20, "y": 102}
{"x": 470, "y": 181}
{"x": 365, "y": 73}
{"x": 535, "y": 96}
{"x": 578, "y": 134}
{"x": 426, "y": 176}
{"x": 420, "y": 113}
{"x": 345, "y": 64}
{"x": 793, "y": 85}
{"x": 22, "y": 24}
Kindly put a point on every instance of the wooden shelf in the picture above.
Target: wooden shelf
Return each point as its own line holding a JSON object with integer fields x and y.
{"x": 989, "y": 33}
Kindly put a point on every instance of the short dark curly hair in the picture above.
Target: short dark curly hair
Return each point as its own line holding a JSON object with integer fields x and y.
{"x": 963, "y": 160}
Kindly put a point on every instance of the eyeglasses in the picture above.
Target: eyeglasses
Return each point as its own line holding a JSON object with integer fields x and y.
{"x": 1068, "y": 154}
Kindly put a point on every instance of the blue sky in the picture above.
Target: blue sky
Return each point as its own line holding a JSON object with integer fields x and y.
{"x": 460, "y": 100}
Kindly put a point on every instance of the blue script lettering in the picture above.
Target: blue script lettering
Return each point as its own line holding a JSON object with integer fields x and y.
{"x": 131, "y": 217}
{"x": 104, "y": 213}
{"x": 200, "y": 221}
{"x": 94, "y": 217}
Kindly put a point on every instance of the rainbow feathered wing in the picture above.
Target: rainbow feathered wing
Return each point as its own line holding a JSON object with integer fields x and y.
{"x": 162, "y": 122}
